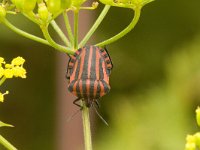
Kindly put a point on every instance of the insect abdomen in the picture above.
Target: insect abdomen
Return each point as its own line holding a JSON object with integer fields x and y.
{"x": 89, "y": 89}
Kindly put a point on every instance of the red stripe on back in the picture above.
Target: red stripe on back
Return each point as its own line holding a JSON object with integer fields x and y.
{"x": 82, "y": 63}
{"x": 106, "y": 79}
{"x": 89, "y": 61}
{"x": 74, "y": 89}
{"x": 97, "y": 65}
{"x": 74, "y": 72}
{"x": 102, "y": 89}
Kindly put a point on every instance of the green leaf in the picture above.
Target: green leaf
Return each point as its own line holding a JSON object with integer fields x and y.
{"x": 126, "y": 3}
{"x": 2, "y": 124}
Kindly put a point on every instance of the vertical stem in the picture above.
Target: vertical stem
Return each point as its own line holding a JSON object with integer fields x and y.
{"x": 7, "y": 144}
{"x": 95, "y": 26}
{"x": 76, "y": 13}
{"x": 68, "y": 27}
{"x": 60, "y": 33}
{"x": 86, "y": 127}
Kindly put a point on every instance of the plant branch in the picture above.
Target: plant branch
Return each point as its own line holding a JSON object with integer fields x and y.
{"x": 68, "y": 27}
{"x": 60, "y": 33}
{"x": 23, "y": 33}
{"x": 53, "y": 43}
{"x": 2, "y": 80}
{"x": 86, "y": 127}
{"x": 7, "y": 144}
{"x": 125, "y": 31}
{"x": 95, "y": 26}
{"x": 76, "y": 14}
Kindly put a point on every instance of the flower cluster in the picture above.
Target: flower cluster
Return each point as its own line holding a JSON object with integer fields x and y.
{"x": 41, "y": 11}
{"x": 126, "y": 3}
{"x": 14, "y": 69}
{"x": 193, "y": 141}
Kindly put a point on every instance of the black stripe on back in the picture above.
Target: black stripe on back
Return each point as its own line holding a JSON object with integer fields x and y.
{"x": 98, "y": 90}
{"x": 84, "y": 87}
{"x": 101, "y": 75}
{"x": 78, "y": 67}
{"x": 78, "y": 88}
{"x": 93, "y": 64}
{"x": 91, "y": 88}
{"x": 85, "y": 65}
{"x": 71, "y": 85}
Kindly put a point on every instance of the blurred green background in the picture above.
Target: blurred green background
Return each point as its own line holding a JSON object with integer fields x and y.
{"x": 155, "y": 82}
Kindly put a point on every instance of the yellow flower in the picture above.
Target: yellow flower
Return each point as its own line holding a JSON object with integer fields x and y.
{"x": 18, "y": 61}
{"x": 198, "y": 115}
{"x": 8, "y": 73}
{"x": 1, "y": 72}
{"x": 1, "y": 61}
{"x": 19, "y": 72}
{"x": 2, "y": 96}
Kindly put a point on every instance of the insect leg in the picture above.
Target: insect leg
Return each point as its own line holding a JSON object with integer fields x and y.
{"x": 75, "y": 102}
{"x": 96, "y": 101}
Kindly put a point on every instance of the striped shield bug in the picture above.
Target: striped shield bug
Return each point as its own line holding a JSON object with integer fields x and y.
{"x": 88, "y": 74}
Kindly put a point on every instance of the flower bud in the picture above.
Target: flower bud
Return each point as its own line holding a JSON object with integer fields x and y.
{"x": 77, "y": 3}
{"x": 65, "y": 4}
{"x": 2, "y": 12}
{"x": 25, "y": 5}
{"x": 18, "y": 4}
{"x": 54, "y": 6}
{"x": 43, "y": 12}
{"x": 29, "y": 5}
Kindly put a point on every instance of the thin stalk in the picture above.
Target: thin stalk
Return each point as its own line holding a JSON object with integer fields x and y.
{"x": 60, "y": 33}
{"x": 68, "y": 27}
{"x": 95, "y": 26}
{"x": 76, "y": 14}
{"x": 86, "y": 127}
{"x": 31, "y": 16}
{"x": 2, "y": 80}
{"x": 53, "y": 43}
{"x": 125, "y": 31}
{"x": 7, "y": 144}
{"x": 23, "y": 33}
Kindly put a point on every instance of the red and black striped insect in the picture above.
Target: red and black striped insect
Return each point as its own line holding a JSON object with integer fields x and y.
{"x": 88, "y": 74}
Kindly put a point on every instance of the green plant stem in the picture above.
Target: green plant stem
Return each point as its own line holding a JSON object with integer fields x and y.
{"x": 86, "y": 127}
{"x": 31, "y": 16}
{"x": 2, "y": 80}
{"x": 60, "y": 33}
{"x": 76, "y": 14}
{"x": 25, "y": 34}
{"x": 54, "y": 44}
{"x": 95, "y": 26}
{"x": 125, "y": 31}
{"x": 68, "y": 27}
{"x": 7, "y": 144}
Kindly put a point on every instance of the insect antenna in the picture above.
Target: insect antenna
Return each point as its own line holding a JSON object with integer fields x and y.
{"x": 73, "y": 115}
{"x": 104, "y": 121}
